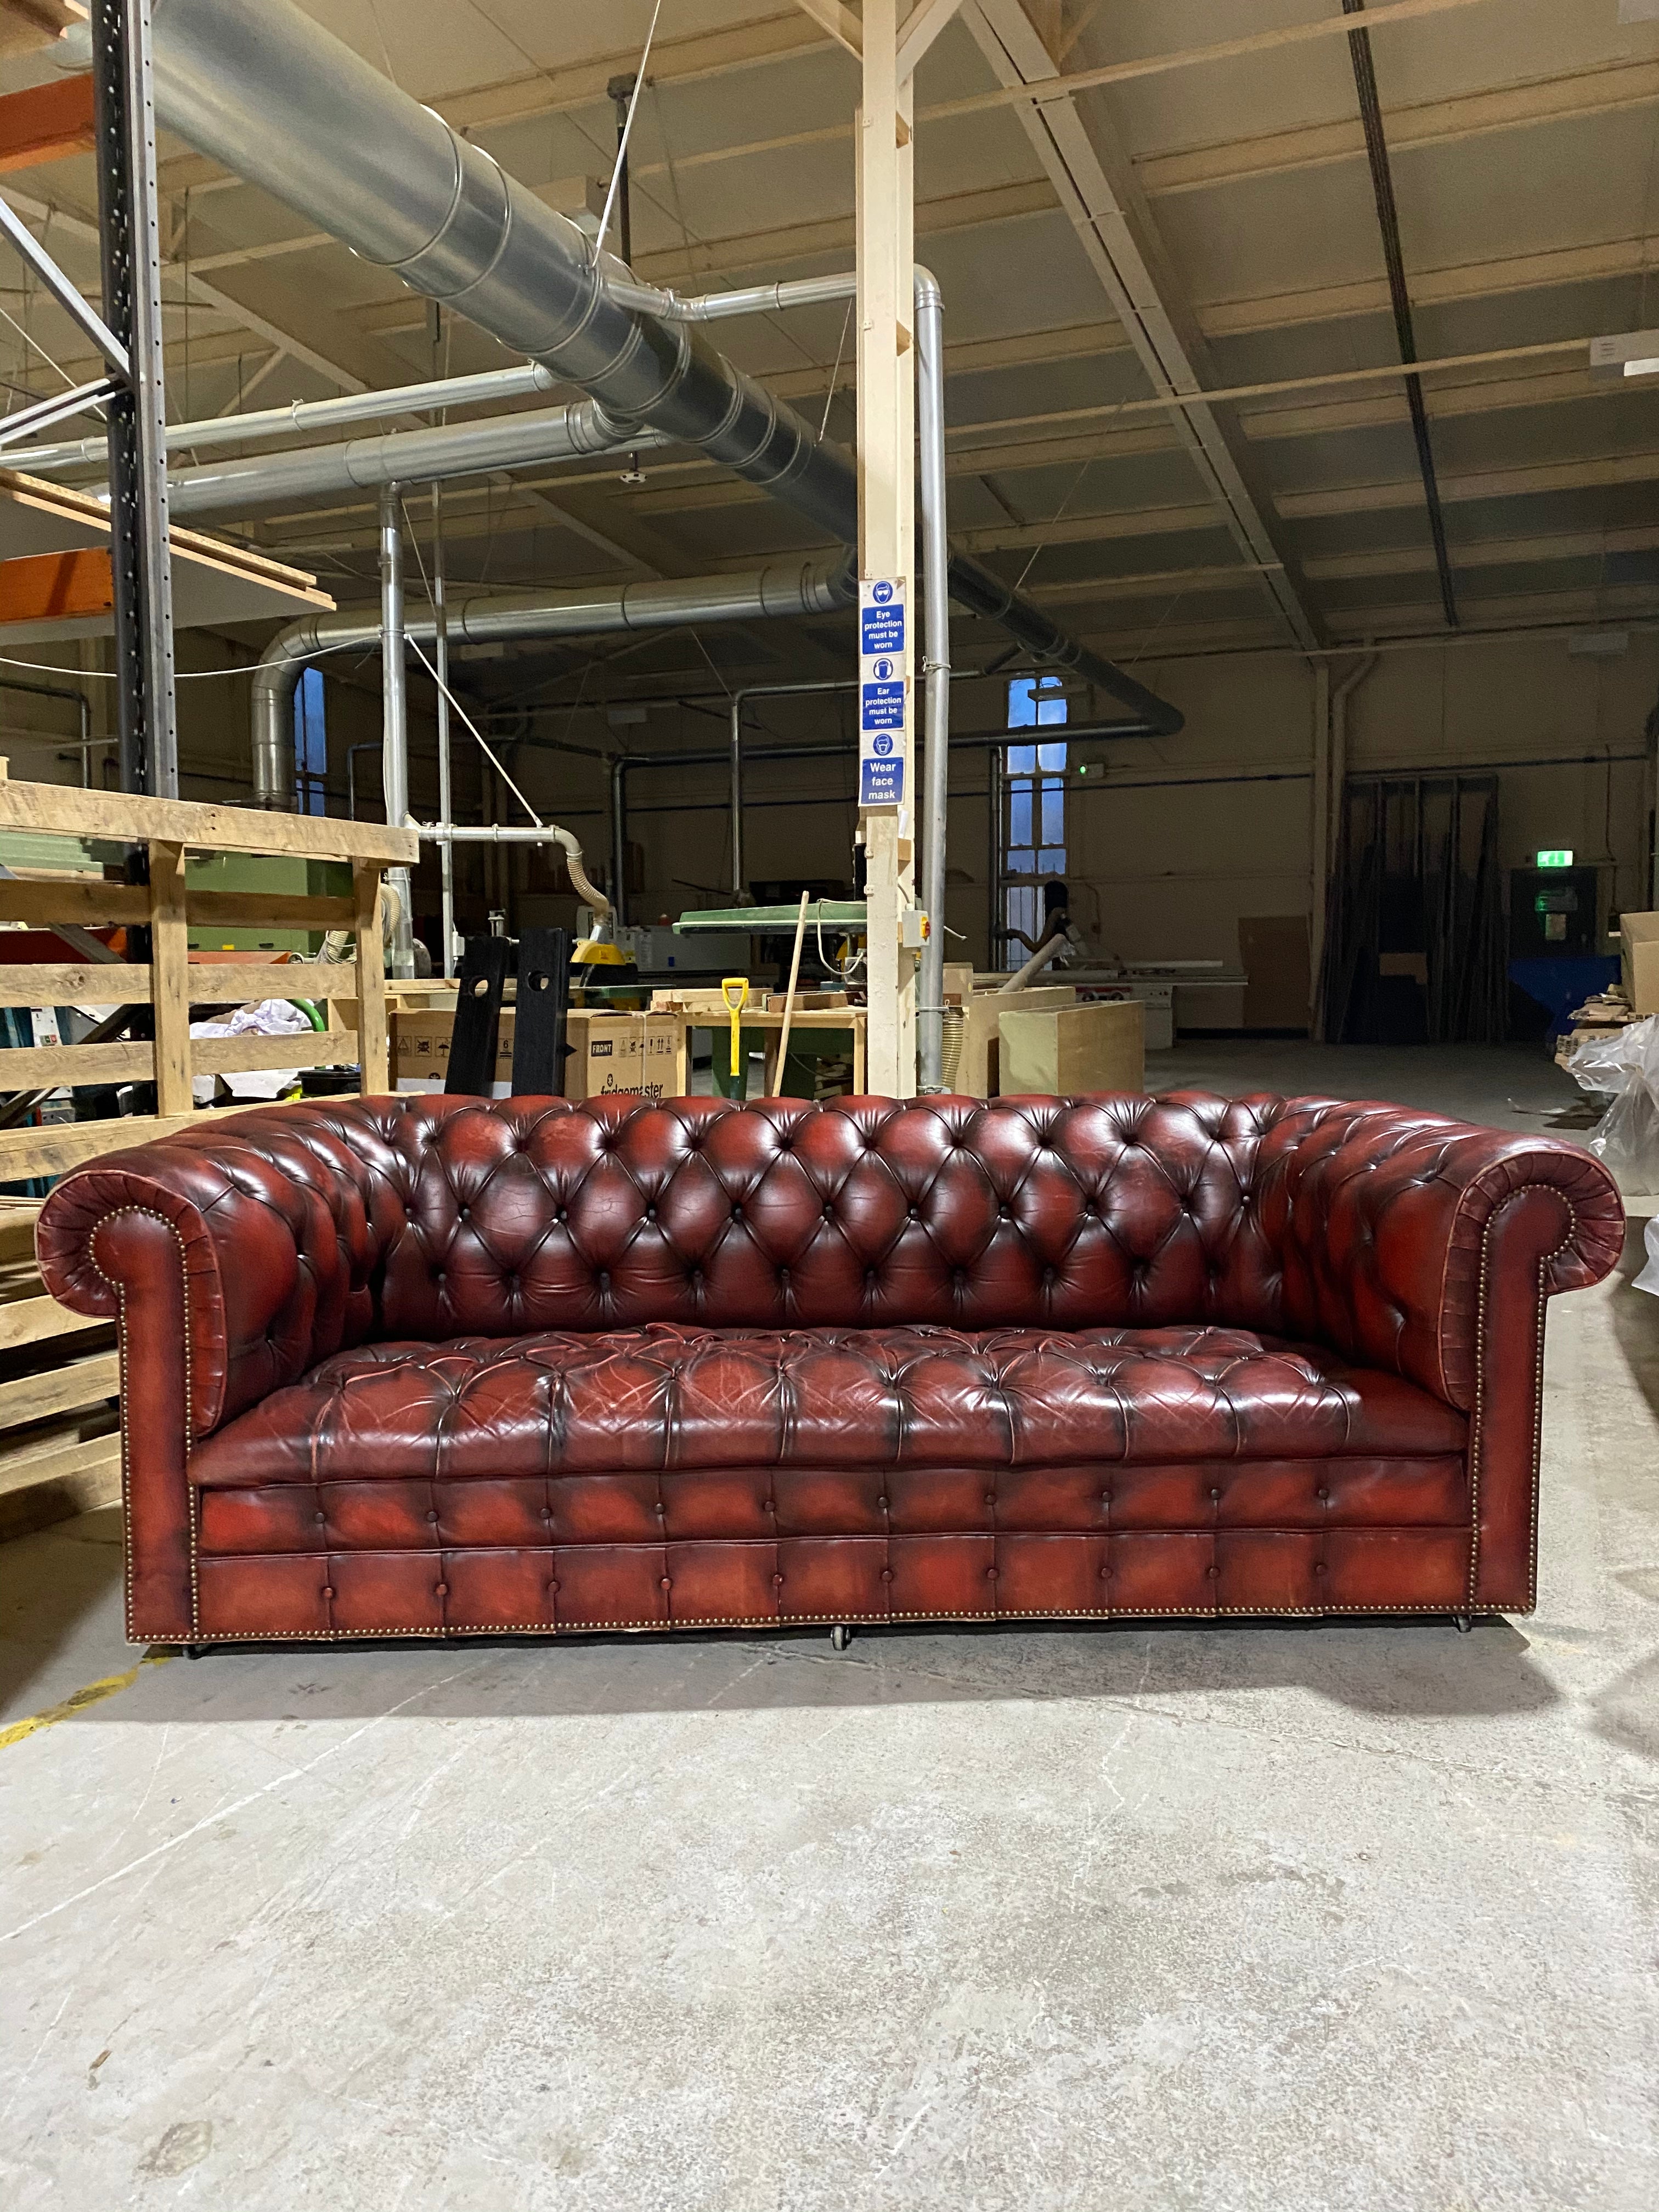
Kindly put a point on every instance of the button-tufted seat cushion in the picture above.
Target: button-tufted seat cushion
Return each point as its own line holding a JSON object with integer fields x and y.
{"x": 441, "y": 1364}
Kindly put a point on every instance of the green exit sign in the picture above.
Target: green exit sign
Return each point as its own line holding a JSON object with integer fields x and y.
{"x": 1560, "y": 859}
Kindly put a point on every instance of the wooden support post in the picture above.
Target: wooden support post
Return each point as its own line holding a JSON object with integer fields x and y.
{"x": 169, "y": 966}
{"x": 371, "y": 1047}
{"x": 886, "y": 455}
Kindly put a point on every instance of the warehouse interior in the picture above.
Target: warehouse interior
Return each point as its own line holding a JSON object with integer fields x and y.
{"x": 1299, "y": 363}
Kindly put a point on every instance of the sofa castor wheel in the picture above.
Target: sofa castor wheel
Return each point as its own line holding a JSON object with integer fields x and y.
{"x": 1463, "y": 1622}
{"x": 840, "y": 1636}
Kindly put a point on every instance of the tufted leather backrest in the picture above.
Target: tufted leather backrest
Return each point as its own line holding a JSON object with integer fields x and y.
{"x": 1356, "y": 1225}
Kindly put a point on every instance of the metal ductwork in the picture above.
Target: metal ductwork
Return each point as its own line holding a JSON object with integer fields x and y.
{"x": 265, "y": 91}
{"x": 397, "y": 457}
{"x": 797, "y": 589}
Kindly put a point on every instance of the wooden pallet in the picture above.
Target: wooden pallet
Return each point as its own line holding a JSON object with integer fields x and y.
{"x": 60, "y": 1445}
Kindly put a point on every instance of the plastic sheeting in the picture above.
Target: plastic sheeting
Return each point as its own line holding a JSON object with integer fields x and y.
{"x": 269, "y": 1018}
{"x": 1623, "y": 1066}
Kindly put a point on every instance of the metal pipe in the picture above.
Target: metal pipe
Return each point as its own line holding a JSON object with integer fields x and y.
{"x": 739, "y": 699}
{"x": 447, "y": 835}
{"x": 82, "y": 705}
{"x": 1340, "y": 695}
{"x": 1394, "y": 256}
{"x": 285, "y": 104}
{"x": 737, "y": 885}
{"x": 487, "y": 389}
{"x": 785, "y": 587}
{"x": 619, "y": 837}
{"x": 402, "y": 457}
{"x": 446, "y": 795}
{"x": 394, "y": 718}
{"x": 368, "y": 746}
{"x": 936, "y": 671}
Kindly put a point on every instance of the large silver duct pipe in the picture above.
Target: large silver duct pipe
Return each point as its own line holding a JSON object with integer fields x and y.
{"x": 797, "y": 589}
{"x": 278, "y": 100}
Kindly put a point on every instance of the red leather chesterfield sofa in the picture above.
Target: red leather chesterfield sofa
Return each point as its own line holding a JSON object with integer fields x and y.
{"x": 397, "y": 1367}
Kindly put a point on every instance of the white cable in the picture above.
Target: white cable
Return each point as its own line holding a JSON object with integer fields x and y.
{"x": 627, "y": 132}
{"x": 457, "y": 706}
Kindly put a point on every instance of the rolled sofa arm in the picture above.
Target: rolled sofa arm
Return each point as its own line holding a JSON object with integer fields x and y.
{"x": 1392, "y": 1229}
{"x": 248, "y": 1245}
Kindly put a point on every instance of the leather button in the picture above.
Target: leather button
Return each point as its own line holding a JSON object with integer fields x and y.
{"x": 1212, "y": 1572}
{"x": 1322, "y": 1493}
{"x": 1105, "y": 1574}
{"x": 320, "y": 1518}
{"x": 1105, "y": 1497}
{"x": 990, "y": 1497}
{"x": 990, "y": 1574}
{"x": 553, "y": 1589}
{"x": 777, "y": 1581}
{"x": 828, "y": 1212}
{"x": 662, "y": 1510}
{"x": 887, "y": 1574}
{"x": 1319, "y": 1566}
{"x": 1215, "y": 1498}
{"x": 440, "y": 1589}
{"x": 328, "y": 1589}
{"x": 547, "y": 1512}
{"x": 881, "y": 1505}
{"x": 666, "y": 1583}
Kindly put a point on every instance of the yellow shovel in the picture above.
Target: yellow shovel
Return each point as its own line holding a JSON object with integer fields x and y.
{"x": 735, "y": 1006}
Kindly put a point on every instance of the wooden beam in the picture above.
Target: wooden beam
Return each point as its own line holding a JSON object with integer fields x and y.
{"x": 927, "y": 19}
{"x": 237, "y": 982}
{"x": 886, "y": 446}
{"x": 55, "y": 1149}
{"x": 50, "y": 587}
{"x": 46, "y": 122}
{"x": 60, "y": 1390}
{"x": 169, "y": 934}
{"x": 40, "y": 1488}
{"x": 374, "y": 1055}
{"x": 1382, "y": 17}
{"x": 304, "y": 1048}
{"x": 37, "y": 1321}
{"x": 69, "y": 810}
{"x": 1573, "y": 95}
{"x": 27, "y": 25}
{"x": 839, "y": 23}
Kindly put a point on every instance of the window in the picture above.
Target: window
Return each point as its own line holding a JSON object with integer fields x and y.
{"x": 1035, "y": 702}
{"x": 310, "y": 744}
{"x": 1034, "y": 839}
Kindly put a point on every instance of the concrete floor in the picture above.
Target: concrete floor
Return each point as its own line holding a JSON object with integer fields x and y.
{"x": 1239, "y": 1920}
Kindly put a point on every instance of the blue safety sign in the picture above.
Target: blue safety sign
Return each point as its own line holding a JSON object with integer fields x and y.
{"x": 881, "y": 782}
{"x": 881, "y": 629}
{"x": 881, "y": 706}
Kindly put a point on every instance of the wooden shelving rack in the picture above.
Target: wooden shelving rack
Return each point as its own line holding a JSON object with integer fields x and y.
{"x": 59, "y": 1453}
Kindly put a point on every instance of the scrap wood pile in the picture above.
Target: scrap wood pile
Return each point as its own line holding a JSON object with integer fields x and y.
{"x": 1602, "y": 1014}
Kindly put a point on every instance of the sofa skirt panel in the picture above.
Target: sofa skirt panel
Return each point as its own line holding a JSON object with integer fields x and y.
{"x": 751, "y": 1584}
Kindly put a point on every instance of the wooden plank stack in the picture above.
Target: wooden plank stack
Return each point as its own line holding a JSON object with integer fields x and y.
{"x": 60, "y": 1448}
{"x": 60, "y": 1451}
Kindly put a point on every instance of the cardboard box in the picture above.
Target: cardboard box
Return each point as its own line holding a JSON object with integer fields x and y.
{"x": 626, "y": 1055}
{"x": 1638, "y": 937}
{"x": 631, "y": 1055}
{"x": 1071, "y": 1051}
